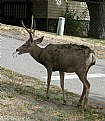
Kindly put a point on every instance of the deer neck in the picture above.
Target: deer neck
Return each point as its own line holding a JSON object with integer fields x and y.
{"x": 36, "y": 52}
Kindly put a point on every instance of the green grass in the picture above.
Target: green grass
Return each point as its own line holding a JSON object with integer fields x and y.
{"x": 22, "y": 98}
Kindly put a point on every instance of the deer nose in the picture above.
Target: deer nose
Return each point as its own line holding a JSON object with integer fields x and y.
{"x": 17, "y": 50}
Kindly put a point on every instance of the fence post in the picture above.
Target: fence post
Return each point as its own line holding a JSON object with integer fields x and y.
{"x": 60, "y": 28}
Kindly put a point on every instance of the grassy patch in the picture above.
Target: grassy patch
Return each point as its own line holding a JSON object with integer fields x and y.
{"x": 22, "y": 98}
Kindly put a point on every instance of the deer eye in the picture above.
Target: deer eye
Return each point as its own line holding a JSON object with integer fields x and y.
{"x": 24, "y": 45}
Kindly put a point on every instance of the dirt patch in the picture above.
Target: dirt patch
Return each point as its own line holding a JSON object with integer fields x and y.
{"x": 22, "y": 98}
{"x": 20, "y": 33}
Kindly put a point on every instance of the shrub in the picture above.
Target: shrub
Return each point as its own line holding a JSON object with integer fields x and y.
{"x": 75, "y": 25}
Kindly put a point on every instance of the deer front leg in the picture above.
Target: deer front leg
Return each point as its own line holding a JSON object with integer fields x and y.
{"x": 62, "y": 85}
{"x": 49, "y": 73}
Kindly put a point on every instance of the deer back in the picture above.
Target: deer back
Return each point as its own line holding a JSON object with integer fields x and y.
{"x": 66, "y": 57}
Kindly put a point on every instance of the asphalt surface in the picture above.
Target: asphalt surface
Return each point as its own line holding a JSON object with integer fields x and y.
{"x": 26, "y": 65}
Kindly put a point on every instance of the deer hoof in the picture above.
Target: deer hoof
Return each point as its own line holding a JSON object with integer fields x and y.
{"x": 47, "y": 98}
{"x": 84, "y": 109}
{"x": 79, "y": 104}
{"x": 64, "y": 102}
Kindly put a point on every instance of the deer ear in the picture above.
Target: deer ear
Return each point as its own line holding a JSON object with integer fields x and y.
{"x": 39, "y": 40}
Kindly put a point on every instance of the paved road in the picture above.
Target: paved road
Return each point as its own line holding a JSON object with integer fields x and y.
{"x": 25, "y": 64}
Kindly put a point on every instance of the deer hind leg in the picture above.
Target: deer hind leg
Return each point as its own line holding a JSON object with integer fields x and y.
{"x": 62, "y": 85}
{"x": 85, "y": 94}
{"x": 82, "y": 96}
{"x": 49, "y": 73}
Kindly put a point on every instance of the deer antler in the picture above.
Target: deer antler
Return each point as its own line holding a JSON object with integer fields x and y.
{"x": 30, "y": 31}
{"x": 25, "y": 27}
{"x": 34, "y": 26}
{"x": 27, "y": 30}
{"x": 31, "y": 23}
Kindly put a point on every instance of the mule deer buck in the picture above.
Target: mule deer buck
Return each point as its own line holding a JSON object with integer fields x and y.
{"x": 63, "y": 58}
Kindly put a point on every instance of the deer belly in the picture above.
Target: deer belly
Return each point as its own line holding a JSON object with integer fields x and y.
{"x": 63, "y": 67}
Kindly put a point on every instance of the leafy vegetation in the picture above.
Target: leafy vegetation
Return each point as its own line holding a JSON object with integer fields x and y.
{"x": 76, "y": 25}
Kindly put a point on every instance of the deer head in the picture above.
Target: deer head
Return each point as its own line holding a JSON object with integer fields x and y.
{"x": 31, "y": 42}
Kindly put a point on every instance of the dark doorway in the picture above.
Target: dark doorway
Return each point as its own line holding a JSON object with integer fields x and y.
{"x": 13, "y": 12}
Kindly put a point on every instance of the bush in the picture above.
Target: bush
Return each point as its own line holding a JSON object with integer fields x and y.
{"x": 74, "y": 25}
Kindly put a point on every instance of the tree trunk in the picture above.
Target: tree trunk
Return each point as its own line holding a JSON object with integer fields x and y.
{"x": 97, "y": 18}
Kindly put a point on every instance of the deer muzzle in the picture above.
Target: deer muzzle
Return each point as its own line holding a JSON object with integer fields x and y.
{"x": 18, "y": 52}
